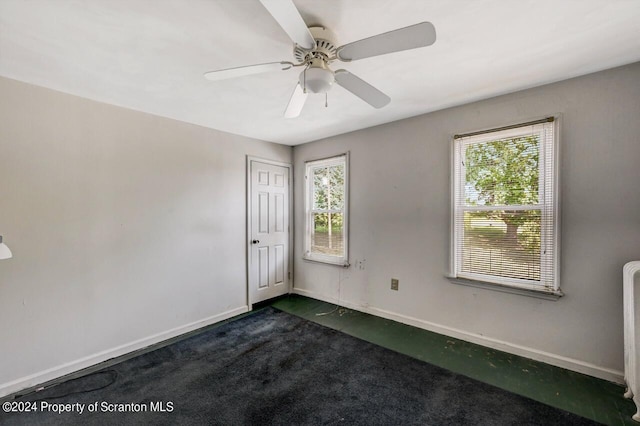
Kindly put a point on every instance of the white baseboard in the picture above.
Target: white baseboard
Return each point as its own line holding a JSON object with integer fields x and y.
{"x": 523, "y": 351}
{"x": 70, "y": 367}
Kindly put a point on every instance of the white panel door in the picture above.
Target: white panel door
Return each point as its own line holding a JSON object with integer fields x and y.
{"x": 268, "y": 231}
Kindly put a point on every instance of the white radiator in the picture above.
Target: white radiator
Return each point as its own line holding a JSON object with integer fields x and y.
{"x": 631, "y": 289}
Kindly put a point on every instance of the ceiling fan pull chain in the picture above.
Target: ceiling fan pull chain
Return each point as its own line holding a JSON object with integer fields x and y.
{"x": 304, "y": 81}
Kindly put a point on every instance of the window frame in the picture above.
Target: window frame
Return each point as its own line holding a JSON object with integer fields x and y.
{"x": 340, "y": 159}
{"x": 548, "y": 205}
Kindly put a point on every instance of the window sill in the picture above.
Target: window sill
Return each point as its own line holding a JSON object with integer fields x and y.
{"x": 342, "y": 263}
{"x": 539, "y": 294}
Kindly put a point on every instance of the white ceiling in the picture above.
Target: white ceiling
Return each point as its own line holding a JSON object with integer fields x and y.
{"x": 149, "y": 55}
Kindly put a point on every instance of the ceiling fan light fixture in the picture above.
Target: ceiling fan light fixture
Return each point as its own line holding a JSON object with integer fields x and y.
{"x": 318, "y": 78}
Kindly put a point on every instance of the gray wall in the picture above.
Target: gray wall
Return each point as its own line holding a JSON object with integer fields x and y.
{"x": 126, "y": 229}
{"x": 400, "y": 207}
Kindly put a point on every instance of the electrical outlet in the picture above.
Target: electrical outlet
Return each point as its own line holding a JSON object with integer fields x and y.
{"x": 394, "y": 284}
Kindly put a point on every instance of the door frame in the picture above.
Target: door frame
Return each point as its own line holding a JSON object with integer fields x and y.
{"x": 248, "y": 245}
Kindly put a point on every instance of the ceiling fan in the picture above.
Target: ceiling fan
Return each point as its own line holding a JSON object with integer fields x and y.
{"x": 314, "y": 50}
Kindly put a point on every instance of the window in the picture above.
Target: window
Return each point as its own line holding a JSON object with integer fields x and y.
{"x": 505, "y": 228}
{"x": 326, "y": 218}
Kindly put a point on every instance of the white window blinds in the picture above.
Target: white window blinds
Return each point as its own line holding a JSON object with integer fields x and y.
{"x": 505, "y": 215}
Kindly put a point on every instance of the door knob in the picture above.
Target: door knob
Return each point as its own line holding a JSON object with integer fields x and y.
{"x": 255, "y": 241}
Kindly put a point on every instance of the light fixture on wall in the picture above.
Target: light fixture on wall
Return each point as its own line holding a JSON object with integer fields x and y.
{"x": 5, "y": 253}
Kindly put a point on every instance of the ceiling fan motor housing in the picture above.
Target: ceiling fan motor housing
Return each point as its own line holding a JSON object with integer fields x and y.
{"x": 317, "y": 77}
{"x": 325, "y": 46}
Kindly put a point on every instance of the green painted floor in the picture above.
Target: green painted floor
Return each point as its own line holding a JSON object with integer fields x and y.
{"x": 596, "y": 399}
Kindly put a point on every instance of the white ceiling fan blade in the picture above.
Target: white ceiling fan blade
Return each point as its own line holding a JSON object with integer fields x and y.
{"x": 418, "y": 35}
{"x": 286, "y": 14}
{"x": 298, "y": 98}
{"x": 362, "y": 89}
{"x": 246, "y": 70}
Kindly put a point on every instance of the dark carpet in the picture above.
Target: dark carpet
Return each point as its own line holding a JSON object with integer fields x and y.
{"x": 275, "y": 368}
